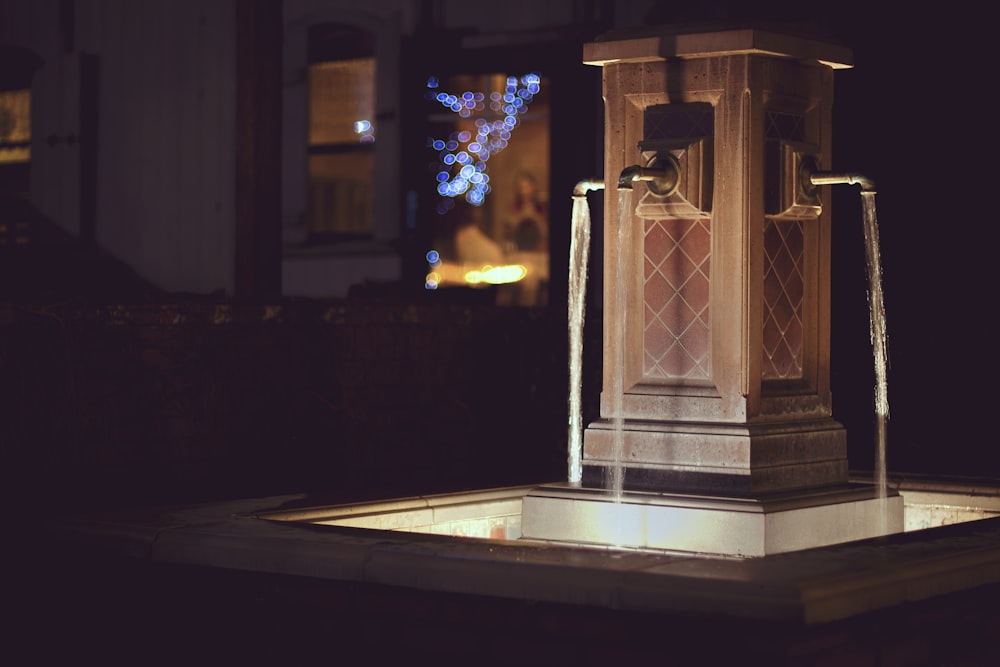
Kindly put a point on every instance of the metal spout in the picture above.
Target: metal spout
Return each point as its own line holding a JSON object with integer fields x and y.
{"x": 662, "y": 175}
{"x": 583, "y": 187}
{"x": 810, "y": 177}
{"x": 830, "y": 178}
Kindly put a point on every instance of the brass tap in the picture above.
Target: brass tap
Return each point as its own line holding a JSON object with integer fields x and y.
{"x": 810, "y": 177}
{"x": 662, "y": 175}
{"x": 583, "y": 187}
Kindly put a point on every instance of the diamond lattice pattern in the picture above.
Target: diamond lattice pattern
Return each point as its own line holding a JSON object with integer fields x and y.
{"x": 783, "y": 292}
{"x": 677, "y": 255}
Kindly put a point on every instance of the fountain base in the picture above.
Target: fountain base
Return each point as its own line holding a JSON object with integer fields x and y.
{"x": 730, "y": 526}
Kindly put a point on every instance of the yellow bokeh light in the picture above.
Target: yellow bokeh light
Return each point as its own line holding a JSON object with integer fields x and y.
{"x": 496, "y": 275}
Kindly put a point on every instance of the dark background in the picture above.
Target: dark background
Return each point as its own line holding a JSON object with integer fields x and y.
{"x": 913, "y": 115}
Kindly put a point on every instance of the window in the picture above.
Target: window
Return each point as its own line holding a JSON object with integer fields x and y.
{"x": 488, "y": 155}
{"x": 15, "y": 156}
{"x": 341, "y": 144}
{"x": 15, "y": 126}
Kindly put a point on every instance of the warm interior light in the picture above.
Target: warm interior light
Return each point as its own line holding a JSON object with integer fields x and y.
{"x": 496, "y": 275}
{"x": 15, "y": 126}
{"x": 448, "y": 273}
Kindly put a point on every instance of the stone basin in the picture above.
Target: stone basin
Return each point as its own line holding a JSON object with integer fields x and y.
{"x": 469, "y": 543}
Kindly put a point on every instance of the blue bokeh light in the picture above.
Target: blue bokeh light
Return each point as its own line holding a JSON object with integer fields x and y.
{"x": 464, "y": 172}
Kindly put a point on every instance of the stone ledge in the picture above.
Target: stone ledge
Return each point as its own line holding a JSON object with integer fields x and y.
{"x": 811, "y": 586}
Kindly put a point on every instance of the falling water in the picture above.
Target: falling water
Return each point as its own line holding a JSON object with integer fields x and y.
{"x": 579, "y": 251}
{"x": 616, "y": 348}
{"x": 878, "y": 337}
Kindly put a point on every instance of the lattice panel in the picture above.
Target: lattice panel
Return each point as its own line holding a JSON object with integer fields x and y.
{"x": 784, "y": 288}
{"x": 677, "y": 255}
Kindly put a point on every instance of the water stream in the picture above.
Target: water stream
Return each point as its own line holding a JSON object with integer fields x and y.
{"x": 615, "y": 347}
{"x": 876, "y": 307}
{"x": 579, "y": 252}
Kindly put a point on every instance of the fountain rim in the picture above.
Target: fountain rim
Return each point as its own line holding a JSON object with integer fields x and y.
{"x": 812, "y": 586}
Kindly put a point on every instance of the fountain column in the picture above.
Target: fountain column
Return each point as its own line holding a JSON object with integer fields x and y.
{"x": 725, "y": 331}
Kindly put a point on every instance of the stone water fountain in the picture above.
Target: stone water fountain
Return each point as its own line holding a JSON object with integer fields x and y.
{"x": 716, "y": 480}
{"x": 716, "y": 409}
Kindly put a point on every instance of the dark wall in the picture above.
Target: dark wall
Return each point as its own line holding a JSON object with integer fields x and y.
{"x": 132, "y": 405}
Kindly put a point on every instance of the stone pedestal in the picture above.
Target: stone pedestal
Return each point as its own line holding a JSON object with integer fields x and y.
{"x": 726, "y": 334}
